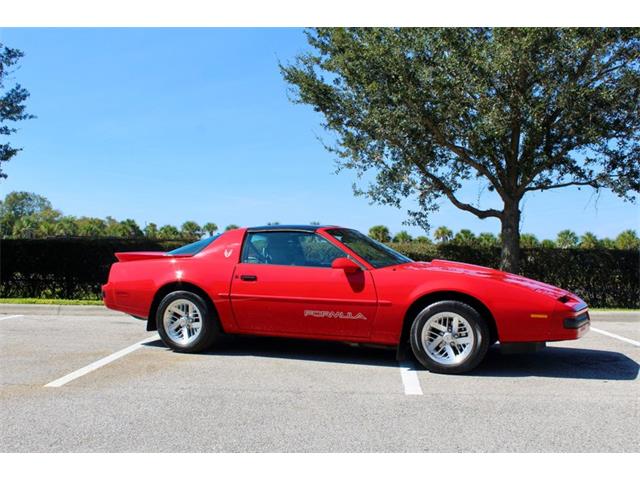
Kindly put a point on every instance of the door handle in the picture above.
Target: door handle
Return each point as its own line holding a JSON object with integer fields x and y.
{"x": 248, "y": 278}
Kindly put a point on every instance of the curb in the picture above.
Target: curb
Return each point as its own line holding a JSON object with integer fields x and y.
{"x": 613, "y": 316}
{"x": 31, "y": 309}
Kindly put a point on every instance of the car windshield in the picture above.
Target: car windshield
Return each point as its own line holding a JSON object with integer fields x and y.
{"x": 375, "y": 253}
{"x": 193, "y": 248}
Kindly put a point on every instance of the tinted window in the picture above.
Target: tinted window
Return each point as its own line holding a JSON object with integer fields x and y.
{"x": 289, "y": 248}
{"x": 375, "y": 253}
{"x": 193, "y": 248}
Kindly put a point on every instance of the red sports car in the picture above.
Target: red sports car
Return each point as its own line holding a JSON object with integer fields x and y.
{"x": 335, "y": 283}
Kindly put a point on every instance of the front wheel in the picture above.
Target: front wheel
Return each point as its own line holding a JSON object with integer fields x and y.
{"x": 449, "y": 337}
{"x": 186, "y": 323}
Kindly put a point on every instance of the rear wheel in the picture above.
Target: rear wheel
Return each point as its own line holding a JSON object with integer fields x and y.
{"x": 449, "y": 337}
{"x": 186, "y": 323}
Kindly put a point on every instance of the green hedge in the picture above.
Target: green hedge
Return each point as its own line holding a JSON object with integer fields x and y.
{"x": 64, "y": 267}
{"x": 603, "y": 278}
{"x": 77, "y": 267}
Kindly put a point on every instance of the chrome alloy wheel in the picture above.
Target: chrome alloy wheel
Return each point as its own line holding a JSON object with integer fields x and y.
{"x": 182, "y": 321}
{"x": 447, "y": 338}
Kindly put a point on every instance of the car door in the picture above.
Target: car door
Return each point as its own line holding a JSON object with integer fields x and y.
{"x": 284, "y": 284}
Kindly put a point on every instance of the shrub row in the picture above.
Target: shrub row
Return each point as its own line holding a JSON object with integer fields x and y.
{"x": 77, "y": 267}
{"x": 64, "y": 267}
{"x": 604, "y": 278}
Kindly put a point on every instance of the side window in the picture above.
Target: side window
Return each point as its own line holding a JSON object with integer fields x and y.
{"x": 254, "y": 248}
{"x": 289, "y": 248}
{"x": 318, "y": 252}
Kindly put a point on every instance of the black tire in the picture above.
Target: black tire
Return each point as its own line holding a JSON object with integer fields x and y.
{"x": 477, "y": 347}
{"x": 209, "y": 333}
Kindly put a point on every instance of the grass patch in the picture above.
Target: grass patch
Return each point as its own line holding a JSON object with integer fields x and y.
{"x": 51, "y": 301}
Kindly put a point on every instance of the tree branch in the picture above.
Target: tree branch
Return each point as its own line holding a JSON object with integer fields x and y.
{"x": 444, "y": 188}
{"x": 590, "y": 183}
{"x": 463, "y": 155}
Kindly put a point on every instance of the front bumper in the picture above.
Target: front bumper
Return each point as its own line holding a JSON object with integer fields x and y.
{"x": 570, "y": 325}
{"x": 578, "y": 321}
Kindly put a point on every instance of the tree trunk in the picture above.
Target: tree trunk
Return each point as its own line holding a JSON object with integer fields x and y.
{"x": 510, "y": 258}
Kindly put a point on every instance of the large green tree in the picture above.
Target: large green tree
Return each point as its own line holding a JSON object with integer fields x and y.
{"x": 18, "y": 205}
{"x": 12, "y": 103}
{"x": 522, "y": 110}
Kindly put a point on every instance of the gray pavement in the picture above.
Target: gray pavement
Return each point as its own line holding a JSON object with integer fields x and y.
{"x": 262, "y": 394}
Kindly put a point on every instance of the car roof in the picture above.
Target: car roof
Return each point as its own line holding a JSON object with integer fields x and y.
{"x": 276, "y": 228}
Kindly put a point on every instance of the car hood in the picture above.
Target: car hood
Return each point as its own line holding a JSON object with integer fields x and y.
{"x": 468, "y": 269}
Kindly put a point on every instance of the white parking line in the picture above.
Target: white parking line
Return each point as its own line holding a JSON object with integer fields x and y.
{"x": 100, "y": 363}
{"x": 410, "y": 379}
{"x": 613, "y": 335}
{"x": 11, "y": 316}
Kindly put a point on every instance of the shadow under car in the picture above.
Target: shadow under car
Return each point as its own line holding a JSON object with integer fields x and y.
{"x": 551, "y": 361}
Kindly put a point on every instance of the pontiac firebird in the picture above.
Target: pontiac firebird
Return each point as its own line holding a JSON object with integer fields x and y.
{"x": 335, "y": 283}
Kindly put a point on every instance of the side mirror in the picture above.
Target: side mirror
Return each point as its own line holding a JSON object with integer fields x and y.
{"x": 346, "y": 264}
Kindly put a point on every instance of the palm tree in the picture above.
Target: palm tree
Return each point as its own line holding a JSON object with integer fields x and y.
{"x": 210, "y": 228}
{"x": 464, "y": 237}
{"x": 151, "y": 230}
{"x": 423, "y": 239}
{"x": 628, "y": 240}
{"x": 487, "y": 239}
{"x": 402, "y": 237}
{"x": 191, "y": 230}
{"x": 113, "y": 227}
{"x": 168, "y": 232}
{"x": 589, "y": 240}
{"x": 130, "y": 228}
{"x": 442, "y": 234}
{"x": 91, "y": 227}
{"x": 529, "y": 240}
{"x": 26, "y": 227}
{"x": 380, "y": 233}
{"x": 66, "y": 226}
{"x": 232, "y": 226}
{"x": 46, "y": 229}
{"x": 47, "y": 220}
{"x": 567, "y": 239}
{"x": 608, "y": 243}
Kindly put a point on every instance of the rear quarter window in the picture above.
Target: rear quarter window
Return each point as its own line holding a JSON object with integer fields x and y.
{"x": 195, "y": 247}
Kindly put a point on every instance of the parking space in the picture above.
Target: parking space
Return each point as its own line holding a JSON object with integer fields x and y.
{"x": 263, "y": 394}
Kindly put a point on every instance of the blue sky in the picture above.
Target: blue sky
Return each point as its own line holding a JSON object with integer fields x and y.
{"x": 168, "y": 125}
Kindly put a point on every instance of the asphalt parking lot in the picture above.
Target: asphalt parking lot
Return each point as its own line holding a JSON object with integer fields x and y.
{"x": 261, "y": 394}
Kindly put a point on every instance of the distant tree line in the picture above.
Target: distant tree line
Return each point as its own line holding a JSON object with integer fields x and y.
{"x": 626, "y": 240}
{"x": 28, "y": 215}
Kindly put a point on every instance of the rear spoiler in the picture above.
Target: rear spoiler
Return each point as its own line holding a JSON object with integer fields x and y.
{"x": 133, "y": 256}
